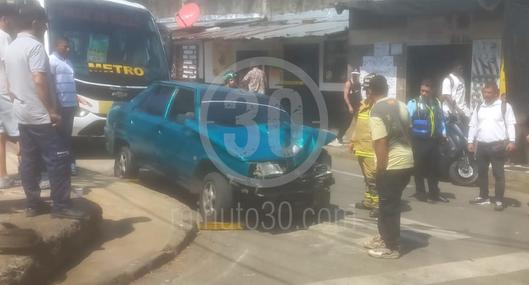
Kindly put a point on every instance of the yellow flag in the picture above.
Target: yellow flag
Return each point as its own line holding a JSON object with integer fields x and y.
{"x": 503, "y": 80}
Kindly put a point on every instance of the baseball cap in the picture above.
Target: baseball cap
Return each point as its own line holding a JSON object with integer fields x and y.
{"x": 367, "y": 80}
{"x": 230, "y": 75}
{"x": 355, "y": 71}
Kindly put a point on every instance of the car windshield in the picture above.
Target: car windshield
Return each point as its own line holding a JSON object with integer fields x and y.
{"x": 241, "y": 111}
{"x": 110, "y": 44}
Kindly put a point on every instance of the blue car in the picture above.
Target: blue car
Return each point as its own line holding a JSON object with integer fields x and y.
{"x": 219, "y": 143}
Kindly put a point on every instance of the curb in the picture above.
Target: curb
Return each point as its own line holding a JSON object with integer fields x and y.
{"x": 142, "y": 266}
{"x": 60, "y": 241}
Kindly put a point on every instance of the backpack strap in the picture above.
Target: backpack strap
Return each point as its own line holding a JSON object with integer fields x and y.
{"x": 503, "y": 112}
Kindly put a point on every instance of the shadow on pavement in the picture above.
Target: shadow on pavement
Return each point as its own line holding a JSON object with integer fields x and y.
{"x": 162, "y": 184}
{"x": 12, "y": 206}
{"x": 511, "y": 202}
{"x": 412, "y": 240}
{"x": 110, "y": 230}
{"x": 90, "y": 148}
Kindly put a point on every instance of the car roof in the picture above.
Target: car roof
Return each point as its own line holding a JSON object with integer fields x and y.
{"x": 201, "y": 86}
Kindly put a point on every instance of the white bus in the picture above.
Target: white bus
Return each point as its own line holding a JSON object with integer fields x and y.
{"x": 116, "y": 50}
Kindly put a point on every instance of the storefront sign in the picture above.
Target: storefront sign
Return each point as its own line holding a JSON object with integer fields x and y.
{"x": 116, "y": 69}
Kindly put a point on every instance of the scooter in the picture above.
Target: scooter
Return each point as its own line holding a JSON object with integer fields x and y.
{"x": 457, "y": 164}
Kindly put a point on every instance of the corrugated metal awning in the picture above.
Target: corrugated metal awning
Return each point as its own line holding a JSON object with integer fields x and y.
{"x": 308, "y": 24}
{"x": 418, "y": 7}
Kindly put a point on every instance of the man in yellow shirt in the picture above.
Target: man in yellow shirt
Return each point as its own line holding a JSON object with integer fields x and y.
{"x": 362, "y": 148}
{"x": 390, "y": 123}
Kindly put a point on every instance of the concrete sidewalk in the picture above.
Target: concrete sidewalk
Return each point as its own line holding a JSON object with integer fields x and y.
{"x": 141, "y": 229}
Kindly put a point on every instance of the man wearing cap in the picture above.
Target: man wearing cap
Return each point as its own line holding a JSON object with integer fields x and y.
{"x": 352, "y": 96}
{"x": 362, "y": 148}
{"x": 389, "y": 122}
{"x": 230, "y": 79}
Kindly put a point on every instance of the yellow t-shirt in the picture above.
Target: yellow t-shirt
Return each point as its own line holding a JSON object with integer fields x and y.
{"x": 385, "y": 122}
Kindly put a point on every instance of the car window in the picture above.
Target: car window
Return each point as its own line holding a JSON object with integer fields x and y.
{"x": 156, "y": 101}
{"x": 184, "y": 102}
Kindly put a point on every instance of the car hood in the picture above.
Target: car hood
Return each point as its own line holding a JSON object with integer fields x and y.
{"x": 267, "y": 144}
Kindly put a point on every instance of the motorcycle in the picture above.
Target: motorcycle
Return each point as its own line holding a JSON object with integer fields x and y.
{"x": 458, "y": 165}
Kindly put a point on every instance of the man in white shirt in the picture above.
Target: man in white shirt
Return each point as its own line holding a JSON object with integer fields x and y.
{"x": 454, "y": 93}
{"x": 8, "y": 123}
{"x": 491, "y": 136}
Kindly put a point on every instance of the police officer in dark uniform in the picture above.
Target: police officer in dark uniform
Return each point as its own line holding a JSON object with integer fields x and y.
{"x": 428, "y": 131}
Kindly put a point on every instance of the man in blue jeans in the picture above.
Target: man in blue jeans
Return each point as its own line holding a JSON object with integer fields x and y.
{"x": 36, "y": 110}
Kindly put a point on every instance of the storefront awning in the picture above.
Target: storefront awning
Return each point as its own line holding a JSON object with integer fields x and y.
{"x": 419, "y": 7}
{"x": 307, "y": 24}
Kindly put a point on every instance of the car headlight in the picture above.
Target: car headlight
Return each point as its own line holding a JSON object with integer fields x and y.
{"x": 267, "y": 169}
{"x": 292, "y": 151}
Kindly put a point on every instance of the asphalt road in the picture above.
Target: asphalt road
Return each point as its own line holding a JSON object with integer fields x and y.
{"x": 442, "y": 243}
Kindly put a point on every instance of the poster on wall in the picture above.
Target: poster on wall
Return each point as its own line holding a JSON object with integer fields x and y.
{"x": 382, "y": 65}
{"x": 190, "y": 62}
{"x": 486, "y": 62}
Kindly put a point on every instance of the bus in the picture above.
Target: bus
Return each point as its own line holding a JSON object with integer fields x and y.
{"x": 116, "y": 50}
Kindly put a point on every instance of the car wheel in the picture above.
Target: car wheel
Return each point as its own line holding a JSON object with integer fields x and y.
{"x": 124, "y": 164}
{"x": 464, "y": 173}
{"x": 216, "y": 197}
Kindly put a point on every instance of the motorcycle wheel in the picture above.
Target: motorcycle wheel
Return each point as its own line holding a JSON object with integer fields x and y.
{"x": 463, "y": 172}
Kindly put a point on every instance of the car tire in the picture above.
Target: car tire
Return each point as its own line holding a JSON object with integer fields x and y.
{"x": 124, "y": 164}
{"x": 216, "y": 197}
{"x": 463, "y": 176}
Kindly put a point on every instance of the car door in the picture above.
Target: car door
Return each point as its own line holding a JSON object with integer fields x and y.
{"x": 145, "y": 121}
{"x": 178, "y": 140}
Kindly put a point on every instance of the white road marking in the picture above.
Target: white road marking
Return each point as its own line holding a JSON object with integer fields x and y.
{"x": 348, "y": 173}
{"x": 441, "y": 273}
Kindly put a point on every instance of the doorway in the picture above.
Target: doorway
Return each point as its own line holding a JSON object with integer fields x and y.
{"x": 305, "y": 57}
{"x": 435, "y": 63}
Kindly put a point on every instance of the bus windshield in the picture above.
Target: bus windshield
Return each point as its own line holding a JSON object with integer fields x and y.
{"x": 109, "y": 43}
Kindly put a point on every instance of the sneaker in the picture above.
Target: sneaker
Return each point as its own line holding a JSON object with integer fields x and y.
{"x": 73, "y": 169}
{"x": 7, "y": 182}
{"x": 41, "y": 209}
{"x": 499, "y": 206}
{"x": 68, "y": 213}
{"x": 384, "y": 253}
{"x": 480, "y": 201}
{"x": 336, "y": 143}
{"x": 374, "y": 242}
